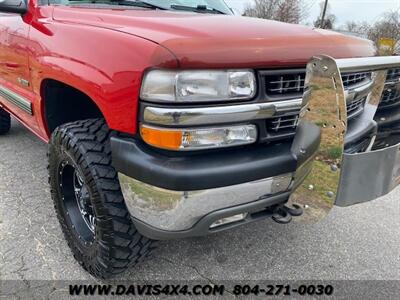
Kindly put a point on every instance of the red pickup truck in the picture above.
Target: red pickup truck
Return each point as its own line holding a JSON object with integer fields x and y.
{"x": 175, "y": 118}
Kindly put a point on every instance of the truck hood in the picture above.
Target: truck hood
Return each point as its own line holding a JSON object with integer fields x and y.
{"x": 212, "y": 41}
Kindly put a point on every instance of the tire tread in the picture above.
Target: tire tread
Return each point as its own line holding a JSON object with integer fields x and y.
{"x": 89, "y": 140}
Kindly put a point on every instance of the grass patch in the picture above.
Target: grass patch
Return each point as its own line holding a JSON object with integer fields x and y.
{"x": 335, "y": 152}
{"x": 322, "y": 179}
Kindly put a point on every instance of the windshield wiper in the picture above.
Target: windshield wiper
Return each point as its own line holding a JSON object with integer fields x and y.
{"x": 198, "y": 8}
{"x": 139, "y": 3}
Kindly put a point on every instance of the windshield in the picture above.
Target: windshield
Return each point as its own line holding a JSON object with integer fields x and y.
{"x": 204, "y": 6}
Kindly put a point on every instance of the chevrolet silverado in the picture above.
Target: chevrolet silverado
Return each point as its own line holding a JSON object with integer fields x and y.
{"x": 176, "y": 118}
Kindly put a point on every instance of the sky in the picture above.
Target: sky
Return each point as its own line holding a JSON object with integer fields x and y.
{"x": 345, "y": 10}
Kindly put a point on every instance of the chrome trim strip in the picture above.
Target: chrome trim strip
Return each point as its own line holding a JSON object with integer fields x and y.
{"x": 219, "y": 114}
{"x": 392, "y": 83}
{"x": 17, "y": 100}
{"x": 367, "y": 63}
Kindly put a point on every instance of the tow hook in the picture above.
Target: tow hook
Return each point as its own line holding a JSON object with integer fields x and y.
{"x": 283, "y": 214}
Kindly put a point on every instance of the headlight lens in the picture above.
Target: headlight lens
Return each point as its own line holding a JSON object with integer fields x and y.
{"x": 198, "y": 86}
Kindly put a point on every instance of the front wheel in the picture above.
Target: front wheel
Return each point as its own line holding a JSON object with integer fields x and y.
{"x": 88, "y": 200}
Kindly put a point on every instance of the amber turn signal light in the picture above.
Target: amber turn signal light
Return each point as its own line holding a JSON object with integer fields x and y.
{"x": 162, "y": 138}
{"x": 198, "y": 138}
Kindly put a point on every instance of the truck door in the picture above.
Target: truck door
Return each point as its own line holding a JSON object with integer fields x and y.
{"x": 15, "y": 89}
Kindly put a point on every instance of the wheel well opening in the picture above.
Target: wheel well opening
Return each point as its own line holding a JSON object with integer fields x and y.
{"x": 64, "y": 104}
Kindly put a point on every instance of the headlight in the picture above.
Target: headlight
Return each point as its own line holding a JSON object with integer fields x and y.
{"x": 198, "y": 86}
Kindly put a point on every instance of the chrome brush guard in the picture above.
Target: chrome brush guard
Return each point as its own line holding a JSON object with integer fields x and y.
{"x": 333, "y": 177}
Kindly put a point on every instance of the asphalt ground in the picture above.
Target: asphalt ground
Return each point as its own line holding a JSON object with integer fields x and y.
{"x": 357, "y": 243}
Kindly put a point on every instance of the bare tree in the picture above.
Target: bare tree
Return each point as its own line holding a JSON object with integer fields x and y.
{"x": 360, "y": 28}
{"x": 388, "y": 28}
{"x": 351, "y": 26}
{"x": 329, "y": 21}
{"x": 289, "y": 11}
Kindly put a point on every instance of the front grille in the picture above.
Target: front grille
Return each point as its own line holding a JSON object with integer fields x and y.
{"x": 291, "y": 84}
{"x": 282, "y": 125}
{"x": 390, "y": 96}
{"x": 355, "y": 107}
{"x": 281, "y": 128}
{"x": 287, "y": 125}
{"x": 285, "y": 84}
{"x": 354, "y": 79}
{"x": 393, "y": 75}
{"x": 391, "y": 93}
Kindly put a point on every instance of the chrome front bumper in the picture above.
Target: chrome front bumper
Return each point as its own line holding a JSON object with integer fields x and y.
{"x": 180, "y": 210}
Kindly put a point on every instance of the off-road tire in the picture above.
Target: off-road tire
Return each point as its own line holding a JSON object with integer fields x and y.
{"x": 116, "y": 245}
{"x": 5, "y": 122}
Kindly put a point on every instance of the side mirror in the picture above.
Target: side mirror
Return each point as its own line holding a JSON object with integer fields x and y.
{"x": 13, "y": 6}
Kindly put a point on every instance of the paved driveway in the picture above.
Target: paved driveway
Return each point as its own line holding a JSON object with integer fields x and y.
{"x": 353, "y": 243}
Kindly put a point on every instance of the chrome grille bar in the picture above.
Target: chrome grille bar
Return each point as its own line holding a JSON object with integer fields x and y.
{"x": 219, "y": 114}
{"x": 368, "y": 64}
